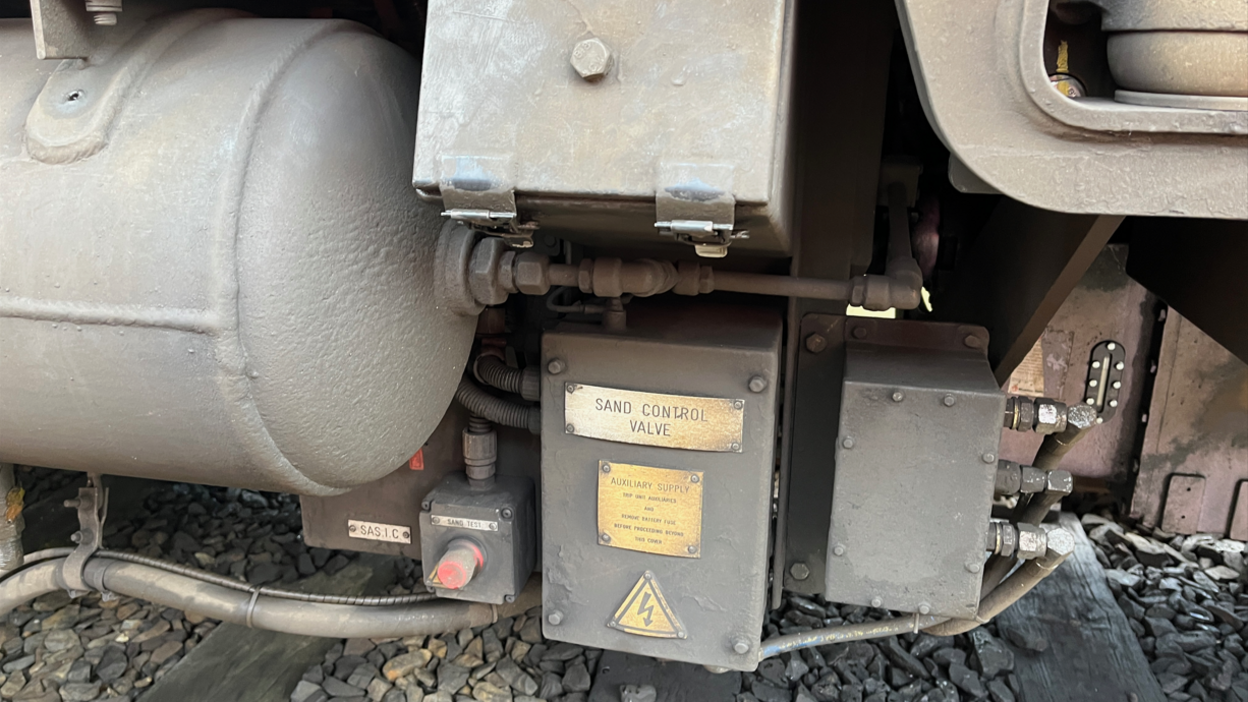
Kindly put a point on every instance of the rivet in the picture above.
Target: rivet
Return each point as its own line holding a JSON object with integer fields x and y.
{"x": 693, "y": 478}
{"x": 740, "y": 646}
{"x": 950, "y": 400}
{"x": 973, "y": 567}
{"x": 924, "y": 608}
{"x": 555, "y": 618}
{"x": 1096, "y": 364}
{"x": 973, "y": 342}
{"x": 1120, "y": 365}
{"x": 735, "y": 446}
{"x": 1092, "y": 383}
{"x": 1100, "y": 420}
{"x": 1117, "y": 384}
{"x": 571, "y": 388}
{"x": 555, "y": 367}
{"x": 692, "y": 550}
{"x": 989, "y": 458}
{"x": 757, "y": 384}
{"x": 1111, "y": 346}
{"x": 860, "y": 332}
{"x": 898, "y": 396}
{"x": 838, "y": 550}
{"x": 847, "y": 442}
{"x": 877, "y": 602}
{"x": 738, "y": 404}
{"x": 606, "y": 467}
{"x": 1113, "y": 403}
{"x": 570, "y": 429}
{"x": 605, "y": 538}
{"x": 1091, "y": 400}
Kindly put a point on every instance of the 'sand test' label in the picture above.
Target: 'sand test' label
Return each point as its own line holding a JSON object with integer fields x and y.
{"x": 654, "y": 419}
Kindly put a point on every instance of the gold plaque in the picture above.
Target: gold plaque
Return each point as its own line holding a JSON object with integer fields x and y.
{"x": 655, "y": 510}
{"x": 651, "y": 419}
{"x": 645, "y": 612}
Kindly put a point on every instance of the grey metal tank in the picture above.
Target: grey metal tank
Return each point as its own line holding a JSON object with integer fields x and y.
{"x": 213, "y": 266}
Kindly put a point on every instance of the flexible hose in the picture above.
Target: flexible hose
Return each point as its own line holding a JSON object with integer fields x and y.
{"x": 496, "y": 409}
{"x": 495, "y": 372}
{"x": 29, "y": 583}
{"x": 850, "y": 632}
{"x": 1007, "y": 593}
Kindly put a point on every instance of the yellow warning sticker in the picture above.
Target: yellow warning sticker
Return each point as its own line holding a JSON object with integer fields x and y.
{"x": 645, "y": 612}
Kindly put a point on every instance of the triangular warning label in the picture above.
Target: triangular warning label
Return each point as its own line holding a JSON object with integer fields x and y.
{"x": 645, "y": 612}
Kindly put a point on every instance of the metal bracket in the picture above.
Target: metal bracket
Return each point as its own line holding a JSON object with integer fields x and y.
{"x": 480, "y": 191}
{"x": 694, "y": 205}
{"x": 92, "y": 505}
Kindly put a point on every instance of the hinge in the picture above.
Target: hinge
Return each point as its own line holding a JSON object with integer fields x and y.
{"x": 694, "y": 205}
{"x": 480, "y": 192}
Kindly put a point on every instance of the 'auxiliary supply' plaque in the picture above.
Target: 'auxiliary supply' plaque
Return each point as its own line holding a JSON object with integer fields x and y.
{"x": 654, "y": 510}
{"x": 652, "y": 419}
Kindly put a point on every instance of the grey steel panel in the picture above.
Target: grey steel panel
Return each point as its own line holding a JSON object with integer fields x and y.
{"x": 702, "y": 83}
{"x": 915, "y": 461}
{"x": 211, "y": 266}
{"x": 719, "y": 597}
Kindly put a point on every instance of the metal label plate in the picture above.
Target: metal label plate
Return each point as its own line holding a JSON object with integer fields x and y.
{"x": 653, "y": 419}
{"x": 653, "y": 510}
{"x": 463, "y": 523}
{"x": 373, "y": 531}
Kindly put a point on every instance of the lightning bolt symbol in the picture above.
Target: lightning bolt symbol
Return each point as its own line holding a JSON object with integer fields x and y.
{"x": 645, "y": 609}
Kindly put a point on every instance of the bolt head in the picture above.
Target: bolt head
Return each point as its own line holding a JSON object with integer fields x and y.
{"x": 555, "y": 367}
{"x": 692, "y": 550}
{"x": 758, "y": 384}
{"x": 973, "y": 567}
{"x": 570, "y": 429}
{"x": 555, "y": 618}
{"x": 847, "y": 442}
{"x": 507, "y": 513}
{"x": 605, "y": 538}
{"x": 989, "y": 458}
{"x": 76, "y": 537}
{"x": 592, "y": 59}
{"x": 877, "y": 602}
{"x": 898, "y": 396}
{"x": 838, "y": 550}
{"x": 1113, "y": 403}
{"x": 950, "y": 400}
{"x": 860, "y": 332}
{"x": 1119, "y": 365}
{"x": 799, "y": 571}
{"x": 740, "y": 647}
{"x": 816, "y": 343}
{"x": 925, "y": 609}
{"x": 973, "y": 342}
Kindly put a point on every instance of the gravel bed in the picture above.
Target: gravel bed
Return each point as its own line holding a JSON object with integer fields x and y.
{"x": 1185, "y": 599}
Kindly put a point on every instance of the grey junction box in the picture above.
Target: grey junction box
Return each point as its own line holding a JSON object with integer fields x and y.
{"x": 916, "y": 458}
{"x": 655, "y": 540}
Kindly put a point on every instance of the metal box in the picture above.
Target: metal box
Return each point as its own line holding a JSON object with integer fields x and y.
{"x": 916, "y": 455}
{"x": 689, "y": 121}
{"x": 500, "y": 520}
{"x": 657, "y": 462}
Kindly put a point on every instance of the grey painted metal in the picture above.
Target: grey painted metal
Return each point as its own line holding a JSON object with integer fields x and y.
{"x": 984, "y": 87}
{"x": 914, "y": 476}
{"x": 695, "y": 108}
{"x": 11, "y": 521}
{"x": 219, "y": 275}
{"x": 721, "y": 596}
{"x": 509, "y": 550}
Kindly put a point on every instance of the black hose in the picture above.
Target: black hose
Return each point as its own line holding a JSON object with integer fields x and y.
{"x": 495, "y": 372}
{"x": 496, "y": 409}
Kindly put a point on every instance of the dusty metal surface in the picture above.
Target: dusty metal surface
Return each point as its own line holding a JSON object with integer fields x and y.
{"x": 1195, "y": 453}
{"x": 718, "y": 598}
{"x": 916, "y": 461}
{"x": 1106, "y": 305}
{"x": 987, "y": 94}
{"x": 692, "y": 105}
{"x": 240, "y": 289}
{"x": 1018, "y": 273}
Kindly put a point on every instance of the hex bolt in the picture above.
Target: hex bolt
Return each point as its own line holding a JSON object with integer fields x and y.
{"x": 507, "y": 513}
{"x": 860, "y": 332}
{"x": 847, "y": 442}
{"x": 816, "y": 343}
{"x": 949, "y": 400}
{"x": 799, "y": 571}
{"x": 757, "y": 384}
{"x": 925, "y": 608}
{"x": 898, "y": 396}
{"x": 556, "y": 366}
{"x": 555, "y": 618}
{"x": 740, "y": 646}
{"x": 877, "y": 602}
{"x": 592, "y": 59}
{"x": 838, "y": 550}
{"x": 989, "y": 458}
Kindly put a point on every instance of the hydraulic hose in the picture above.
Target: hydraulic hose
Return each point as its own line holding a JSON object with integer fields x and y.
{"x": 495, "y": 372}
{"x": 496, "y": 409}
{"x": 252, "y": 609}
{"x": 850, "y": 632}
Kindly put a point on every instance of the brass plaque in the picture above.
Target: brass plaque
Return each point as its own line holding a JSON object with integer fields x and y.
{"x": 652, "y": 419}
{"x": 655, "y": 510}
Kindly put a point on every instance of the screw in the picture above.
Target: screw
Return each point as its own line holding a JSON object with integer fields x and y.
{"x": 648, "y": 575}
{"x": 692, "y": 550}
{"x": 816, "y": 343}
{"x": 555, "y": 367}
{"x": 924, "y": 608}
{"x": 738, "y": 404}
{"x": 877, "y": 602}
{"x": 989, "y": 458}
{"x": 1113, "y": 403}
{"x": 407, "y": 534}
{"x": 799, "y": 571}
{"x": 606, "y": 467}
{"x": 570, "y": 429}
{"x": 847, "y": 442}
{"x": 571, "y": 388}
{"x": 973, "y": 567}
{"x": 950, "y": 400}
{"x": 838, "y": 550}
{"x": 757, "y": 384}
{"x": 507, "y": 513}
{"x": 860, "y": 332}
{"x": 973, "y": 342}
{"x": 898, "y": 396}
{"x": 555, "y": 618}
{"x": 735, "y": 446}
{"x": 605, "y": 538}
{"x": 694, "y": 478}
{"x": 592, "y": 59}
{"x": 740, "y": 646}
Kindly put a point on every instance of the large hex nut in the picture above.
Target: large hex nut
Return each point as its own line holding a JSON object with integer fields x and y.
{"x": 592, "y": 59}
{"x": 1031, "y": 541}
{"x": 531, "y": 273}
{"x": 483, "y": 269}
{"x": 1050, "y": 416}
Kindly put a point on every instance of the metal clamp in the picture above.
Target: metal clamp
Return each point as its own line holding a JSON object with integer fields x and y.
{"x": 480, "y": 191}
{"x": 694, "y": 204}
{"x": 92, "y": 504}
